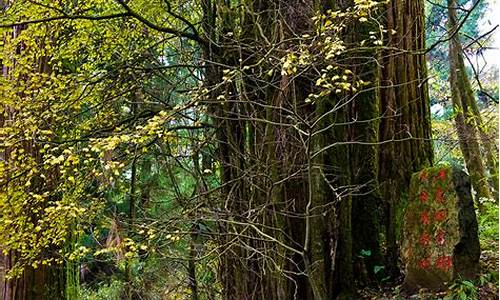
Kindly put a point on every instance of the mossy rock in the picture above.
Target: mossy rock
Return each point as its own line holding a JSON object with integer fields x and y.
{"x": 440, "y": 239}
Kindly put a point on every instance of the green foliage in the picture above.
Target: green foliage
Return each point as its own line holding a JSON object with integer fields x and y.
{"x": 96, "y": 100}
{"x": 112, "y": 291}
{"x": 76, "y": 131}
{"x": 488, "y": 224}
{"x": 462, "y": 290}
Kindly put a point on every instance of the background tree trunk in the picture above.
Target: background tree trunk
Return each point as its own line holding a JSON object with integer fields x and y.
{"x": 465, "y": 115}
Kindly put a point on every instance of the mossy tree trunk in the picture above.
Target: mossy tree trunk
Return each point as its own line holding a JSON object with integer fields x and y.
{"x": 291, "y": 223}
{"x": 37, "y": 281}
{"x": 42, "y": 283}
{"x": 405, "y": 131}
{"x": 466, "y": 112}
{"x": 364, "y": 134}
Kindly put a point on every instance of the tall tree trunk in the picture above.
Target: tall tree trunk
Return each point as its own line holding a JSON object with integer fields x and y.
{"x": 37, "y": 281}
{"x": 462, "y": 99}
{"x": 405, "y": 131}
{"x": 365, "y": 110}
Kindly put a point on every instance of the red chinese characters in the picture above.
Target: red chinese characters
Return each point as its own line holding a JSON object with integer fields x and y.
{"x": 439, "y": 195}
{"x": 425, "y": 239}
{"x": 424, "y": 263}
{"x": 440, "y": 215}
{"x": 424, "y": 196}
{"x": 441, "y": 175}
{"x": 444, "y": 263}
{"x": 424, "y": 218}
{"x": 440, "y": 237}
{"x": 432, "y": 217}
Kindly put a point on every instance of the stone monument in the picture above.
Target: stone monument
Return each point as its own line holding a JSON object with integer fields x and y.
{"x": 440, "y": 239}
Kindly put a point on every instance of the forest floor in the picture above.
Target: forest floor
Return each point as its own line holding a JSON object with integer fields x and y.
{"x": 485, "y": 287}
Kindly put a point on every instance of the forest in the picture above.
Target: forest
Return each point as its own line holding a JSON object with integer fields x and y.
{"x": 249, "y": 149}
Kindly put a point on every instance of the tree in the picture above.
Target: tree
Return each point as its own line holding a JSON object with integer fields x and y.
{"x": 467, "y": 117}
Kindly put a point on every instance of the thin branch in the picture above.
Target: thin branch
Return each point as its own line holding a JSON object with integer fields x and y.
{"x": 66, "y": 17}
{"x": 192, "y": 36}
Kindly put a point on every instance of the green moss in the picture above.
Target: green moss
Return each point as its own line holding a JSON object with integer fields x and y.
{"x": 400, "y": 209}
{"x": 488, "y": 226}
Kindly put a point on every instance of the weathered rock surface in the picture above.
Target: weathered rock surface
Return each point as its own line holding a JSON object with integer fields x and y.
{"x": 440, "y": 241}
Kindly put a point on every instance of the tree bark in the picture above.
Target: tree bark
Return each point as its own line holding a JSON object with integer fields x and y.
{"x": 290, "y": 225}
{"x": 405, "y": 130}
{"x": 462, "y": 99}
{"x": 39, "y": 282}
